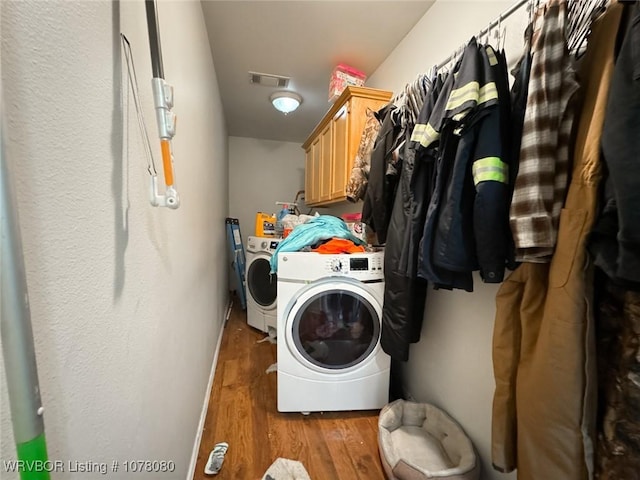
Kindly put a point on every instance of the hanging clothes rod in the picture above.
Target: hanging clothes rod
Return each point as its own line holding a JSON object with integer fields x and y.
{"x": 515, "y": 7}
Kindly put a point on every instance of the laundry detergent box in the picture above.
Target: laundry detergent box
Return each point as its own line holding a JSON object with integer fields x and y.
{"x": 265, "y": 225}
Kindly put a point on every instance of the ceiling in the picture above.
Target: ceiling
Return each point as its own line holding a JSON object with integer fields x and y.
{"x": 303, "y": 40}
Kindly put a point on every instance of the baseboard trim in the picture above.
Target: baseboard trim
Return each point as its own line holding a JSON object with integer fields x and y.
{"x": 205, "y": 405}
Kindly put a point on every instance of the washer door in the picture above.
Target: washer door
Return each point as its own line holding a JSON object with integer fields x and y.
{"x": 263, "y": 286}
{"x": 333, "y": 325}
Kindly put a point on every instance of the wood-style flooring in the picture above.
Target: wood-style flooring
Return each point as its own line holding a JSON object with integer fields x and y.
{"x": 243, "y": 412}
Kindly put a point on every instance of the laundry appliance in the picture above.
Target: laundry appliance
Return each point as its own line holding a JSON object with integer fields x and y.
{"x": 329, "y": 321}
{"x": 261, "y": 284}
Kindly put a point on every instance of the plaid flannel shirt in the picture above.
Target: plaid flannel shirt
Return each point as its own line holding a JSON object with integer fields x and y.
{"x": 542, "y": 179}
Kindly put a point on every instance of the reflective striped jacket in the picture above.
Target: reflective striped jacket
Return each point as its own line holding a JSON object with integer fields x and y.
{"x": 467, "y": 220}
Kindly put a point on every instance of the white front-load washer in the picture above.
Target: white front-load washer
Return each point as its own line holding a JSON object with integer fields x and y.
{"x": 329, "y": 320}
{"x": 262, "y": 287}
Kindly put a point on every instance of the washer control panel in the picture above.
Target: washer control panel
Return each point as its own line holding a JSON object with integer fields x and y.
{"x": 269, "y": 245}
{"x": 311, "y": 266}
{"x": 262, "y": 244}
{"x": 337, "y": 265}
{"x": 344, "y": 264}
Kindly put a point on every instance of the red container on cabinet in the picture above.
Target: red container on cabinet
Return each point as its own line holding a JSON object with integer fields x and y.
{"x": 342, "y": 76}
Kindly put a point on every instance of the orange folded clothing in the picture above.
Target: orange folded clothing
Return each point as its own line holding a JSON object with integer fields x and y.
{"x": 339, "y": 245}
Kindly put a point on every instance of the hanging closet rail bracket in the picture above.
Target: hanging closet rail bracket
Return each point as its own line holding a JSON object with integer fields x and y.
{"x": 507, "y": 13}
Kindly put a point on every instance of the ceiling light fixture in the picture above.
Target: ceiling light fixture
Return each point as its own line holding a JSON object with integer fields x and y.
{"x": 285, "y": 101}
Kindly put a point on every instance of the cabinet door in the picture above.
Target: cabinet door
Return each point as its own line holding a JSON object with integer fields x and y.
{"x": 337, "y": 136}
{"x": 316, "y": 151}
{"x": 312, "y": 177}
{"x": 340, "y": 152}
{"x": 309, "y": 174}
{"x": 325, "y": 163}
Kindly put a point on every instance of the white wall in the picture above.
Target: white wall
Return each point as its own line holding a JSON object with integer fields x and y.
{"x": 262, "y": 172}
{"x": 127, "y": 300}
{"x": 452, "y": 366}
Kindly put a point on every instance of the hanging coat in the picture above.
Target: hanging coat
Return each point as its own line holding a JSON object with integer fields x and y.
{"x": 472, "y": 228}
{"x": 383, "y": 175}
{"x": 540, "y": 187}
{"x": 466, "y": 224}
{"x": 405, "y": 293}
{"x": 519, "y": 92}
{"x": 616, "y": 239}
{"x": 420, "y": 187}
{"x": 359, "y": 176}
{"x": 618, "y": 308}
{"x": 618, "y": 344}
{"x": 543, "y": 342}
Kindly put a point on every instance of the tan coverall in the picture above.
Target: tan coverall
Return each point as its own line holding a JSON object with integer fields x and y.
{"x": 543, "y": 343}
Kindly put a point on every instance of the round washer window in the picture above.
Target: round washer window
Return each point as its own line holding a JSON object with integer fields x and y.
{"x": 263, "y": 286}
{"x": 336, "y": 329}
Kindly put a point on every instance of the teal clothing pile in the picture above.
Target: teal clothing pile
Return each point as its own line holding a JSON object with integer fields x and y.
{"x": 322, "y": 227}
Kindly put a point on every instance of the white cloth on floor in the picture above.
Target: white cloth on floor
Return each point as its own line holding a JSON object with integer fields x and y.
{"x": 285, "y": 469}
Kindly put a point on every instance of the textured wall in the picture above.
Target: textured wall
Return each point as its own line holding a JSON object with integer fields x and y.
{"x": 451, "y": 366}
{"x": 262, "y": 172}
{"x": 127, "y": 300}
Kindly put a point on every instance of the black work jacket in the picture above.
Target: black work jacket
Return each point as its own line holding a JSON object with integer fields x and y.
{"x": 383, "y": 176}
{"x": 465, "y": 229}
{"x": 405, "y": 292}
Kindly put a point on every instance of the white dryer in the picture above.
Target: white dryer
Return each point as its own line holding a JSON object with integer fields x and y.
{"x": 262, "y": 286}
{"x": 329, "y": 321}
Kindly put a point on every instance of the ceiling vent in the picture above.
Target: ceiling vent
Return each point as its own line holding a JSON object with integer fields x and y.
{"x": 268, "y": 80}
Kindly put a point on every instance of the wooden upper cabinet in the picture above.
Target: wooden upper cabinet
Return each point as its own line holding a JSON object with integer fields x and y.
{"x": 340, "y": 129}
{"x": 337, "y": 137}
{"x": 326, "y": 143}
{"x": 312, "y": 172}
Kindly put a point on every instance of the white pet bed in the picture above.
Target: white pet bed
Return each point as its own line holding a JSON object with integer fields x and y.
{"x": 418, "y": 441}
